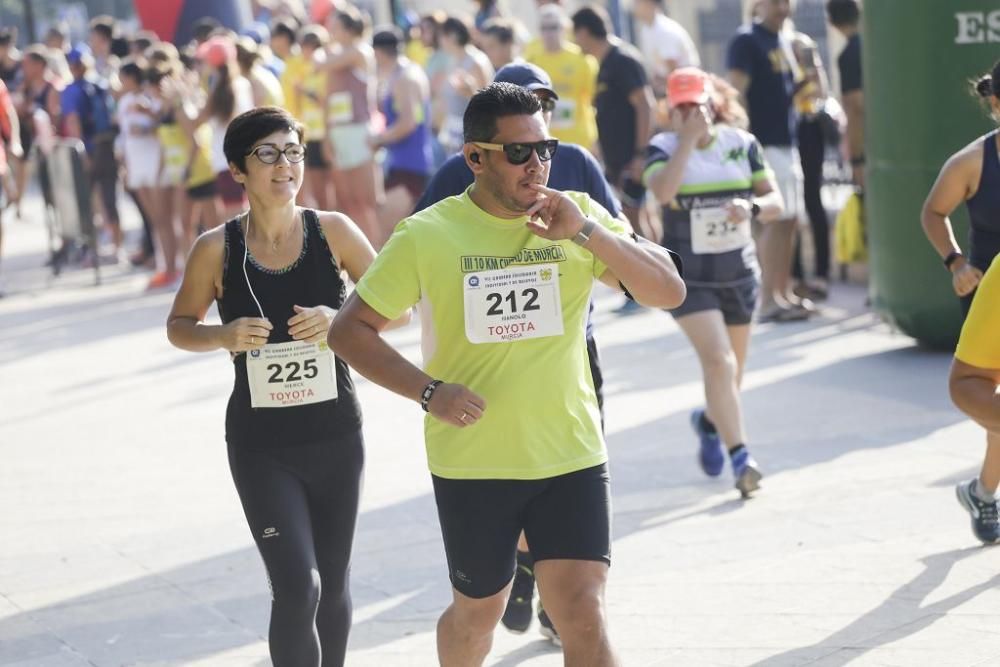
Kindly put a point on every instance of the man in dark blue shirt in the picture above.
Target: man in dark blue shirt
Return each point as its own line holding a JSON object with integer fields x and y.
{"x": 763, "y": 68}
{"x": 572, "y": 168}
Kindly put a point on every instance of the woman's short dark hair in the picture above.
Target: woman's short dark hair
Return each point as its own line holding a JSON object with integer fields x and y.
{"x": 495, "y": 101}
{"x": 594, "y": 20}
{"x": 458, "y": 28}
{"x": 250, "y": 127}
{"x": 843, "y": 13}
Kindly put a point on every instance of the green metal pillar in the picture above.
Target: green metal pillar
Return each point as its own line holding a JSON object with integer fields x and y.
{"x": 919, "y": 57}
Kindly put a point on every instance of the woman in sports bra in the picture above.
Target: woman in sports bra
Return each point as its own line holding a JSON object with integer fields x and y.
{"x": 293, "y": 424}
{"x": 971, "y": 175}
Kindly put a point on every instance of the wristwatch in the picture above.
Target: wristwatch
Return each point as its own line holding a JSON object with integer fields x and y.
{"x": 583, "y": 235}
{"x": 754, "y": 209}
{"x": 951, "y": 259}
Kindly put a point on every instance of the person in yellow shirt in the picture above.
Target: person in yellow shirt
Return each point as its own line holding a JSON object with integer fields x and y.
{"x": 311, "y": 89}
{"x": 574, "y": 76}
{"x": 285, "y": 45}
{"x": 975, "y": 379}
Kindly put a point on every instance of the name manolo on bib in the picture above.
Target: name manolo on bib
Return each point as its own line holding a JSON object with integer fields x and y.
{"x": 712, "y": 233}
{"x": 516, "y": 303}
{"x": 282, "y": 375}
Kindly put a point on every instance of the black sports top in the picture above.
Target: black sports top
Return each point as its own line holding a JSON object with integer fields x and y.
{"x": 311, "y": 280}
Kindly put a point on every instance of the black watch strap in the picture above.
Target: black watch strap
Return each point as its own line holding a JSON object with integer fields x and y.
{"x": 951, "y": 259}
{"x": 428, "y": 393}
{"x": 754, "y": 209}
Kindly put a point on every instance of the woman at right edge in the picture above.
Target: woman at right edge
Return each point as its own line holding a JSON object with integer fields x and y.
{"x": 972, "y": 175}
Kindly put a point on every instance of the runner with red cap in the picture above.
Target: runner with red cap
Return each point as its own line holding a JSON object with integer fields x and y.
{"x": 711, "y": 180}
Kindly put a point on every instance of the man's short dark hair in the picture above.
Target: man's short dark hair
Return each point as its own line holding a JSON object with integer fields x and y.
{"x": 493, "y": 102}
{"x": 594, "y": 20}
{"x": 250, "y": 127}
{"x": 499, "y": 28}
{"x": 285, "y": 28}
{"x": 103, "y": 26}
{"x": 458, "y": 28}
{"x": 132, "y": 69}
{"x": 389, "y": 39}
{"x": 843, "y": 13}
{"x": 204, "y": 27}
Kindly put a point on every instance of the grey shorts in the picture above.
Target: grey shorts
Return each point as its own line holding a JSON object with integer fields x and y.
{"x": 736, "y": 302}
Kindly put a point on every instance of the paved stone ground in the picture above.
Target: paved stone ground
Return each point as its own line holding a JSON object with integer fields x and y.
{"x": 123, "y": 542}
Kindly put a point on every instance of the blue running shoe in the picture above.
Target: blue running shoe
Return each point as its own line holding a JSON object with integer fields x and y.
{"x": 710, "y": 454}
{"x": 746, "y": 473}
{"x": 985, "y": 524}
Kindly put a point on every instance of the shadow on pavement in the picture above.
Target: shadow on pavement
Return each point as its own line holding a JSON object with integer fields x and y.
{"x": 862, "y": 635}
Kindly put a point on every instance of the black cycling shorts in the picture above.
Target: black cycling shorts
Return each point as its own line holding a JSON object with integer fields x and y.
{"x": 564, "y": 517}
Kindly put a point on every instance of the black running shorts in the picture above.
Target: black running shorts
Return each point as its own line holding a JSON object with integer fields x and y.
{"x": 736, "y": 302}
{"x": 565, "y": 517}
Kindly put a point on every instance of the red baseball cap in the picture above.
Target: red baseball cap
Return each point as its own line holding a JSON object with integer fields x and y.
{"x": 216, "y": 51}
{"x": 688, "y": 85}
{"x": 320, "y": 10}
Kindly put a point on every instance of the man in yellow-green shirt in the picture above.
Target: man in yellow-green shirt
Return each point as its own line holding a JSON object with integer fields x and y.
{"x": 975, "y": 378}
{"x": 574, "y": 76}
{"x": 502, "y": 274}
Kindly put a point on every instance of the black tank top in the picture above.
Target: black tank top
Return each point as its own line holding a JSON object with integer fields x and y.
{"x": 984, "y": 209}
{"x": 311, "y": 280}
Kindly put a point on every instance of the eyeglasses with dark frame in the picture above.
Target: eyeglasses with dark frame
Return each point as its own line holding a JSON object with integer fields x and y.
{"x": 269, "y": 153}
{"x": 519, "y": 153}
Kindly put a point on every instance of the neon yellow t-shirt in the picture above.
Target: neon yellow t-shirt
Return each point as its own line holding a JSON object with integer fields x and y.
{"x": 296, "y": 69}
{"x": 574, "y": 76}
{"x": 524, "y": 300}
{"x": 979, "y": 344}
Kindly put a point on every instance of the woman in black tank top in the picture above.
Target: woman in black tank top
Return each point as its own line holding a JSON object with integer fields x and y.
{"x": 293, "y": 423}
{"x": 971, "y": 175}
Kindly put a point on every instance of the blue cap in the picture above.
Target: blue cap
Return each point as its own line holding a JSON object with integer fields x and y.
{"x": 77, "y": 54}
{"x": 258, "y": 32}
{"x": 527, "y": 76}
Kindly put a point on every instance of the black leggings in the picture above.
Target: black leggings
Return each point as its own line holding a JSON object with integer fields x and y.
{"x": 811, "y": 151}
{"x": 301, "y": 503}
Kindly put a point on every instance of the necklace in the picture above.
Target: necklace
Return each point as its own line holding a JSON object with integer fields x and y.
{"x": 276, "y": 241}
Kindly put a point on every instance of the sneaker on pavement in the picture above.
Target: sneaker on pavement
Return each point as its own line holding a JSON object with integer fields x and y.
{"x": 546, "y": 628}
{"x": 745, "y": 472}
{"x": 985, "y": 525}
{"x": 163, "y": 279}
{"x": 517, "y": 615}
{"x": 710, "y": 454}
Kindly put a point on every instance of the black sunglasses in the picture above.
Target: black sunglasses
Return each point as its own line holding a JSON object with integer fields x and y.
{"x": 269, "y": 153}
{"x": 520, "y": 153}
